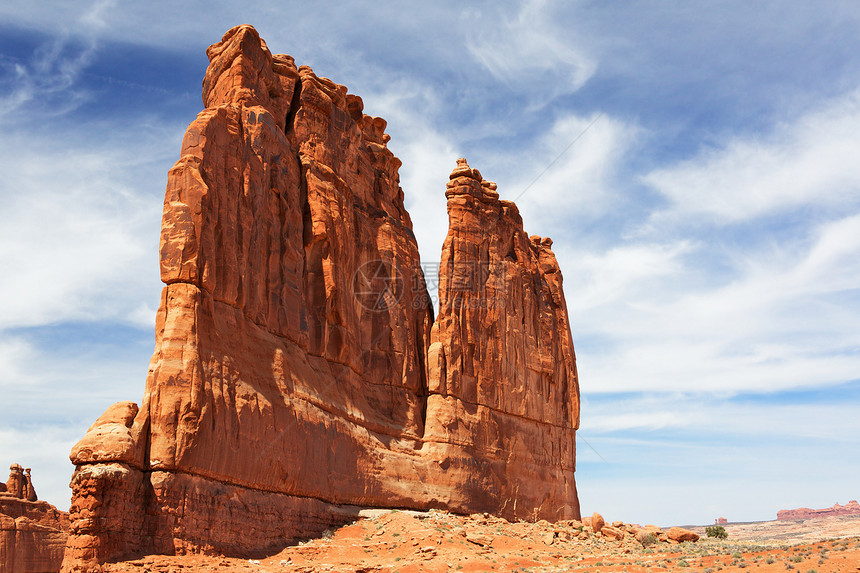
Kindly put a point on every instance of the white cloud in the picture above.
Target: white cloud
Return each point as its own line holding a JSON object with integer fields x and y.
{"x": 571, "y": 173}
{"x": 619, "y": 274}
{"x": 79, "y": 227}
{"x": 70, "y": 377}
{"x": 697, "y": 414}
{"x": 651, "y": 320}
{"x": 46, "y": 81}
{"x": 809, "y": 161}
{"x": 676, "y": 308}
{"x": 49, "y": 459}
{"x": 54, "y": 386}
{"x": 528, "y": 52}
{"x": 428, "y": 156}
{"x": 685, "y": 458}
{"x": 49, "y": 80}
{"x": 15, "y": 357}
{"x": 575, "y": 161}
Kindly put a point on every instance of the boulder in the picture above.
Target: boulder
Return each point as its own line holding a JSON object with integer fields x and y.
{"x": 680, "y": 534}
{"x": 597, "y": 522}
{"x": 612, "y": 532}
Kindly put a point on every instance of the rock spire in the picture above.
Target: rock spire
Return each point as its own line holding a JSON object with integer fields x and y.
{"x": 299, "y": 372}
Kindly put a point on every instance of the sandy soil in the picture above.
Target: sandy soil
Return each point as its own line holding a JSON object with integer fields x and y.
{"x": 791, "y": 532}
{"x": 412, "y": 542}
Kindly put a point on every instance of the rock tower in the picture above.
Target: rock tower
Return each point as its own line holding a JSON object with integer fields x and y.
{"x": 299, "y": 373}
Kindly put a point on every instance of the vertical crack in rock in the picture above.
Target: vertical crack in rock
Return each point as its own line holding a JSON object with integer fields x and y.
{"x": 298, "y": 372}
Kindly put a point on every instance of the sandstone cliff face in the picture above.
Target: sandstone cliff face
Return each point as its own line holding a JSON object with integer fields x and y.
{"x": 850, "y": 508}
{"x": 32, "y": 533}
{"x": 502, "y": 374}
{"x": 290, "y": 381}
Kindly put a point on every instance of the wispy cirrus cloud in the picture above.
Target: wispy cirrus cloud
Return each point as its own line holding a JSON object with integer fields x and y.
{"x": 15, "y": 357}
{"x": 529, "y": 53}
{"x": 808, "y": 161}
{"x": 79, "y": 232}
{"x": 704, "y": 297}
{"x": 48, "y": 79}
{"x": 573, "y": 167}
{"x": 661, "y": 322}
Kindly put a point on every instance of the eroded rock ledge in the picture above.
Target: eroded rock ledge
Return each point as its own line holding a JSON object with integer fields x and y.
{"x": 298, "y": 370}
{"x": 32, "y": 532}
{"x": 850, "y": 508}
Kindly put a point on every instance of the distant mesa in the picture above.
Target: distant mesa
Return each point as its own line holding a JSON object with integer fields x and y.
{"x": 33, "y": 533}
{"x": 721, "y": 521}
{"x": 299, "y": 372}
{"x": 850, "y": 508}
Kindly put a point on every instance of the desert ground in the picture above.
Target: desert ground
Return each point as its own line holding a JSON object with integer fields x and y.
{"x": 437, "y": 541}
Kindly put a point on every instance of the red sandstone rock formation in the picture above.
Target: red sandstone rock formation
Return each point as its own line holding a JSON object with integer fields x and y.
{"x": 501, "y": 363}
{"x": 597, "y": 522}
{"x": 294, "y": 376}
{"x": 19, "y": 485}
{"x": 850, "y": 508}
{"x": 32, "y": 533}
{"x": 680, "y": 534}
{"x": 16, "y": 485}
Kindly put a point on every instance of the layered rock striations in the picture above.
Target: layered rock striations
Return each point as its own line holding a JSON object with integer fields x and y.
{"x": 850, "y": 508}
{"x": 32, "y": 533}
{"x": 298, "y": 370}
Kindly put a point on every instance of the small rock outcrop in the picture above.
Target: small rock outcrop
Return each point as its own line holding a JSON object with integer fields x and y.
{"x": 19, "y": 485}
{"x": 680, "y": 534}
{"x": 299, "y": 372}
{"x": 33, "y": 533}
{"x": 850, "y": 508}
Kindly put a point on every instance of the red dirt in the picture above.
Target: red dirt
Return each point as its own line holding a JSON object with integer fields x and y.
{"x": 412, "y": 542}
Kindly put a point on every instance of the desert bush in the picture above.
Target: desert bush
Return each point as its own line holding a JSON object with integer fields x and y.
{"x": 717, "y": 531}
{"x": 646, "y": 538}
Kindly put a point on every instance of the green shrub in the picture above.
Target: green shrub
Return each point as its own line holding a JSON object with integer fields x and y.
{"x": 646, "y": 538}
{"x": 717, "y": 531}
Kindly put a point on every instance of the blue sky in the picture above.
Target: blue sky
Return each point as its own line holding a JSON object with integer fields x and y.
{"x": 707, "y": 222}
